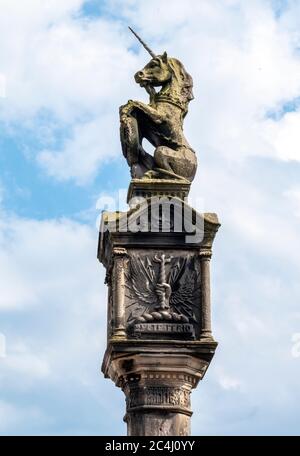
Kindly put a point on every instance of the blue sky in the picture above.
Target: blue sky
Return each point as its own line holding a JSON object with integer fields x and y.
{"x": 65, "y": 69}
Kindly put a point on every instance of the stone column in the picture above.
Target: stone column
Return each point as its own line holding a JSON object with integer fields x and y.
{"x": 118, "y": 291}
{"x": 157, "y": 407}
{"x": 156, "y": 355}
{"x": 205, "y": 256}
{"x": 157, "y": 389}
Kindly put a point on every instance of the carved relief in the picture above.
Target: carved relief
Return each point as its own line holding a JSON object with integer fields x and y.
{"x": 163, "y": 294}
{"x": 158, "y": 395}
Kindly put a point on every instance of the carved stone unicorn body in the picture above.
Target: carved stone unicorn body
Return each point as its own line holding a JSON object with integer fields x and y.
{"x": 160, "y": 122}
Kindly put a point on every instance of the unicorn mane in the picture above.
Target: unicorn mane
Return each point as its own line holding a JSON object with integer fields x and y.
{"x": 180, "y": 91}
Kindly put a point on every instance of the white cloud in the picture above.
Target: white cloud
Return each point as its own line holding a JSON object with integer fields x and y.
{"x": 77, "y": 68}
{"x": 91, "y": 145}
{"x": 293, "y": 196}
{"x": 53, "y": 288}
{"x": 55, "y": 327}
{"x": 57, "y": 60}
{"x": 244, "y": 64}
{"x": 29, "y": 250}
{"x": 228, "y": 382}
{"x": 70, "y": 69}
{"x": 234, "y": 51}
{"x": 50, "y": 268}
{"x": 2, "y": 86}
{"x": 284, "y": 136}
{"x": 19, "y": 361}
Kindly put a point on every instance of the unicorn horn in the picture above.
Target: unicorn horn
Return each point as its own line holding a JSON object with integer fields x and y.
{"x": 142, "y": 43}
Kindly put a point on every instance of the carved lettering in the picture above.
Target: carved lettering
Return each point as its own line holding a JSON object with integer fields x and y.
{"x": 163, "y": 328}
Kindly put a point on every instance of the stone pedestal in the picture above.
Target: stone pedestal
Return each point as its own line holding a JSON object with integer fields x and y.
{"x": 148, "y": 188}
{"x": 159, "y": 335}
{"x": 157, "y": 379}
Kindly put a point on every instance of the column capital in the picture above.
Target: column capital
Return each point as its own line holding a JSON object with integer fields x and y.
{"x": 157, "y": 387}
{"x": 205, "y": 254}
{"x": 119, "y": 252}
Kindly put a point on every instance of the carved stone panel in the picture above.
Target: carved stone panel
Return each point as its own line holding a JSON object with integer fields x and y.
{"x": 163, "y": 294}
{"x": 158, "y": 396}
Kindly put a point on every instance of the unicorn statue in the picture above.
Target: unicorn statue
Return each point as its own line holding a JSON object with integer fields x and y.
{"x": 160, "y": 122}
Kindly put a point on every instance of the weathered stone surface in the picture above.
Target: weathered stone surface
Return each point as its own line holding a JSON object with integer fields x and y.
{"x": 157, "y": 259}
{"x": 163, "y": 293}
{"x": 157, "y": 382}
{"x": 160, "y": 122}
{"x": 143, "y": 226}
{"x": 159, "y": 325}
{"x": 162, "y": 423}
{"x": 148, "y": 188}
